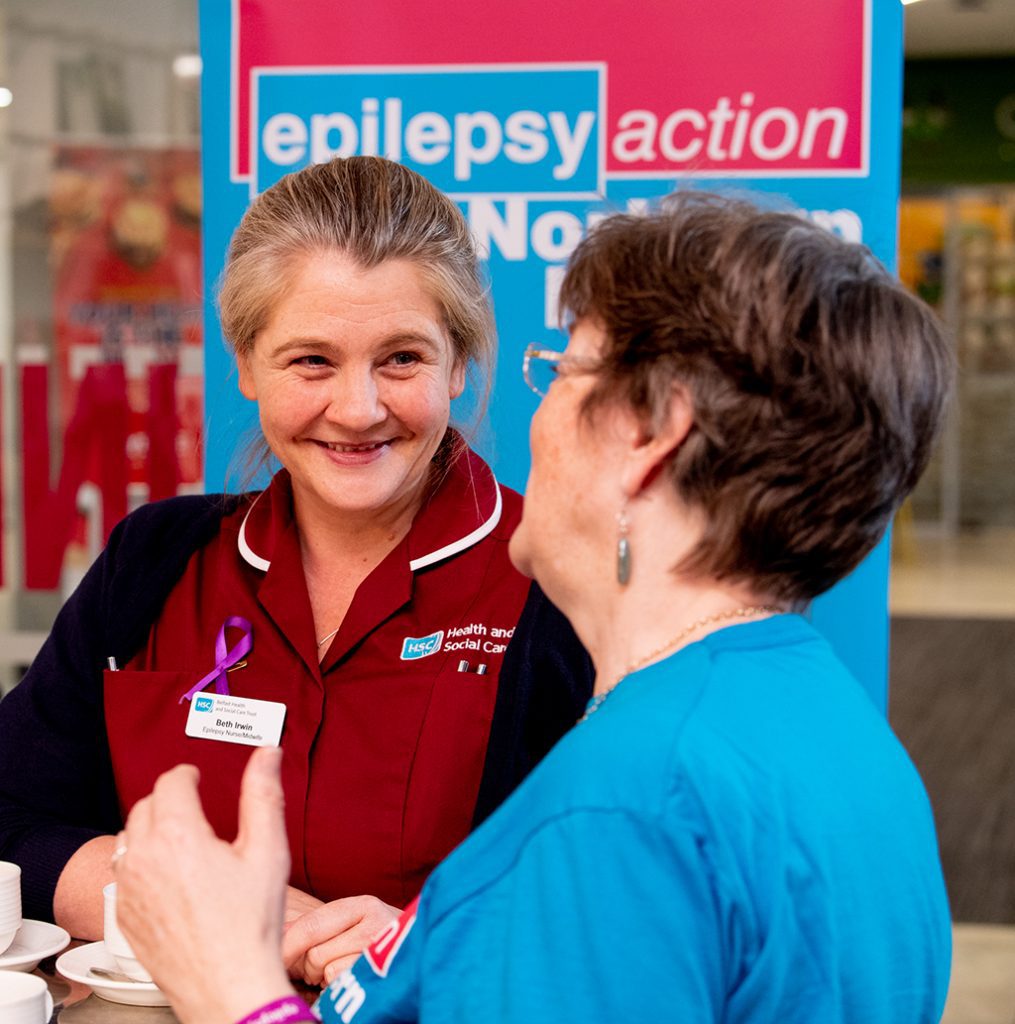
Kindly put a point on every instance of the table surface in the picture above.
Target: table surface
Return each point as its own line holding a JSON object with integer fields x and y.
{"x": 75, "y": 1003}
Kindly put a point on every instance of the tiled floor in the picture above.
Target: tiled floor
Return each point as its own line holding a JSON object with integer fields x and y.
{"x": 971, "y": 576}
{"x": 983, "y": 976}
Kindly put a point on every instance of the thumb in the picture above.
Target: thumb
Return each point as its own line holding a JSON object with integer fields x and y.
{"x": 262, "y": 804}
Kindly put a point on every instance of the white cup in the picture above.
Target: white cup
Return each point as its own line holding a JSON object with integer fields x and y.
{"x": 10, "y": 903}
{"x": 117, "y": 946}
{"x": 24, "y": 999}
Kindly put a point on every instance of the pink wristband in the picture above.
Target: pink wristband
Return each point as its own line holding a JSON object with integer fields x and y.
{"x": 287, "y": 1010}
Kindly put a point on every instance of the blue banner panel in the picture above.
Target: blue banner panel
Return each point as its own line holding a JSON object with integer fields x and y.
{"x": 526, "y": 130}
{"x": 539, "y": 119}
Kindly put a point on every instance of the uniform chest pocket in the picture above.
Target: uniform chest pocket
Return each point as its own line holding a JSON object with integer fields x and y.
{"x": 145, "y": 723}
{"x": 448, "y": 766}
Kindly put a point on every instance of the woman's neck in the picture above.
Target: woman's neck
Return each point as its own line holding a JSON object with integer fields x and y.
{"x": 625, "y": 627}
{"x": 339, "y": 551}
{"x": 646, "y": 624}
{"x": 344, "y": 539}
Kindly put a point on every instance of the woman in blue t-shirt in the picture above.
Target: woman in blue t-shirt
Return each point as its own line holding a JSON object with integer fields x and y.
{"x": 731, "y": 832}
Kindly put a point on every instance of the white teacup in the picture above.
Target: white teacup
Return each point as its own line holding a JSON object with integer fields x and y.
{"x": 117, "y": 946}
{"x": 24, "y": 999}
{"x": 10, "y": 903}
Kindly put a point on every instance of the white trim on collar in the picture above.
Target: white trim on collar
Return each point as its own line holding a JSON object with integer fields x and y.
{"x": 252, "y": 558}
{"x": 465, "y": 542}
{"x": 248, "y": 553}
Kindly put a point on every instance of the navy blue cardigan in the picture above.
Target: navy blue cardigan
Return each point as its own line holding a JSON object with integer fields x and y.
{"x": 56, "y": 779}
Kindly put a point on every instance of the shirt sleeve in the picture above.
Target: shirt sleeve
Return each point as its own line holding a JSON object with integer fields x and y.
{"x": 604, "y": 917}
{"x": 57, "y": 789}
{"x": 56, "y": 780}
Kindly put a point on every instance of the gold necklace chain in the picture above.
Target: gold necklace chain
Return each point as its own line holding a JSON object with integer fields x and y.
{"x": 738, "y": 613}
{"x": 325, "y": 639}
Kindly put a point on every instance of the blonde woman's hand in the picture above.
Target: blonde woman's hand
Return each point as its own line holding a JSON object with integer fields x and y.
{"x": 321, "y": 944}
{"x": 298, "y": 903}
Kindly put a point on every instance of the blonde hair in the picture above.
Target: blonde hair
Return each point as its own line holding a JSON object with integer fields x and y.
{"x": 372, "y": 210}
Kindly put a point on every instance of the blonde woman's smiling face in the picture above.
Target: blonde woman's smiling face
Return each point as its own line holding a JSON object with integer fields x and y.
{"x": 354, "y": 375}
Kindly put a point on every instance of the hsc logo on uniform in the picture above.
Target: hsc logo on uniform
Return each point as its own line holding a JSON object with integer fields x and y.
{"x": 414, "y": 647}
{"x": 204, "y": 703}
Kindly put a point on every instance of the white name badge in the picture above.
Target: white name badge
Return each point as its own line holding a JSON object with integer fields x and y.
{"x": 256, "y": 723}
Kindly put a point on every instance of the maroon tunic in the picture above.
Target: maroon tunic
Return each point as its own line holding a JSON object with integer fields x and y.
{"x": 382, "y": 754}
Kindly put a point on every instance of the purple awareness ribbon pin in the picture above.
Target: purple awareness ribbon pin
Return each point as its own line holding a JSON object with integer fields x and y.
{"x": 225, "y": 658}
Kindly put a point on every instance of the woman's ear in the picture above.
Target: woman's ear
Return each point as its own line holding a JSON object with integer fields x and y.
{"x": 456, "y": 385}
{"x": 245, "y": 377}
{"x": 651, "y": 448}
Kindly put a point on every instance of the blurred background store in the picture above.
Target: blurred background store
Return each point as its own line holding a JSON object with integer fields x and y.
{"x": 952, "y": 678}
{"x": 956, "y": 545}
{"x": 100, "y": 288}
{"x": 100, "y": 351}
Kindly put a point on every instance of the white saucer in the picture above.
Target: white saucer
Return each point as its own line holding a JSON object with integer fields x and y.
{"x": 75, "y": 964}
{"x": 34, "y": 942}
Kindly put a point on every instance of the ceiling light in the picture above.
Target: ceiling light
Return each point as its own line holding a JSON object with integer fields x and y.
{"x": 187, "y": 65}
{"x": 6, "y": 97}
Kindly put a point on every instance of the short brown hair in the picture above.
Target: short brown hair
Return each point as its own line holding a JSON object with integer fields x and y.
{"x": 817, "y": 382}
{"x": 372, "y": 210}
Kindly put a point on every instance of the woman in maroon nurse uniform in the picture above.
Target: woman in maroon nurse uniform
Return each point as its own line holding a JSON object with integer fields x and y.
{"x": 367, "y": 590}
